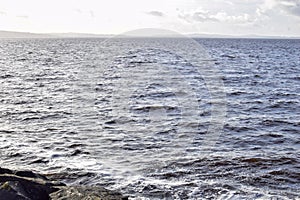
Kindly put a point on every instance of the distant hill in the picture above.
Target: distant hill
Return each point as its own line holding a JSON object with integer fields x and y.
{"x": 79, "y": 35}
{"x": 13, "y": 34}
{"x": 196, "y": 35}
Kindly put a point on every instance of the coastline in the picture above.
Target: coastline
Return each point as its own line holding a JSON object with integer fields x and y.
{"x": 19, "y": 185}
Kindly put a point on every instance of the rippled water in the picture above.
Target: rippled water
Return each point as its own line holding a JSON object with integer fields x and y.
{"x": 136, "y": 120}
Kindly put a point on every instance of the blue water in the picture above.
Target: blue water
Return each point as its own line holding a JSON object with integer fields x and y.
{"x": 127, "y": 116}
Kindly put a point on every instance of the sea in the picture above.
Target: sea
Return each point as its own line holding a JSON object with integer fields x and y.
{"x": 155, "y": 118}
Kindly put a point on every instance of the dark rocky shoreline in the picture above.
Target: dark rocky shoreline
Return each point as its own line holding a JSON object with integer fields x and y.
{"x": 27, "y": 185}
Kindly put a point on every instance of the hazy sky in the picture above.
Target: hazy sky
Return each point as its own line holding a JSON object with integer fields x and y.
{"x": 235, "y": 17}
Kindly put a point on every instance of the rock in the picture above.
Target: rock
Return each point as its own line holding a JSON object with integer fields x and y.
{"x": 10, "y": 195}
{"x": 14, "y": 187}
{"x": 29, "y": 174}
{"x": 86, "y": 193}
{"x": 5, "y": 171}
{"x": 27, "y": 185}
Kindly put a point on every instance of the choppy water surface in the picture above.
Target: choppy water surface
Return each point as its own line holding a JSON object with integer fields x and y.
{"x": 62, "y": 113}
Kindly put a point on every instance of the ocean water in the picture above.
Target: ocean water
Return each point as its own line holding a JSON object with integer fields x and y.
{"x": 155, "y": 118}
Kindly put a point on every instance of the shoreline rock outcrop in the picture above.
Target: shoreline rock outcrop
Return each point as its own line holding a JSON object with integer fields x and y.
{"x": 27, "y": 185}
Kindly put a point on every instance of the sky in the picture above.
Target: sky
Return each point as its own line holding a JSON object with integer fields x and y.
{"x": 226, "y": 17}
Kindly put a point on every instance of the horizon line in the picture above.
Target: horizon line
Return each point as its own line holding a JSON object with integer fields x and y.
{"x": 23, "y": 34}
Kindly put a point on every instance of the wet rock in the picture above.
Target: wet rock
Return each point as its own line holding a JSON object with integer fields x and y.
{"x": 14, "y": 187}
{"x": 27, "y": 185}
{"x": 5, "y": 171}
{"x": 29, "y": 174}
{"x": 86, "y": 193}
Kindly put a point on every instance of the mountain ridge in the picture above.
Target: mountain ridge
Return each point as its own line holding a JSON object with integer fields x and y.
{"x": 15, "y": 34}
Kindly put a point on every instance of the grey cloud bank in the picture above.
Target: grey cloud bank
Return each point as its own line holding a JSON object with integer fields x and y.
{"x": 221, "y": 17}
{"x": 156, "y": 13}
{"x": 291, "y": 6}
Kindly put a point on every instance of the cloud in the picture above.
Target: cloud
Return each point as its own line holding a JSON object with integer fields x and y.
{"x": 202, "y": 16}
{"x": 92, "y": 14}
{"x": 156, "y": 13}
{"x": 78, "y": 11}
{"x": 290, "y": 7}
{"x": 242, "y": 18}
{"x": 206, "y": 16}
{"x": 23, "y": 16}
{"x": 81, "y": 12}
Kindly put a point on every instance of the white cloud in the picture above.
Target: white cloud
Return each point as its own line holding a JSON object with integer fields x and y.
{"x": 269, "y": 17}
{"x": 290, "y": 7}
{"x": 23, "y": 16}
{"x": 206, "y": 16}
{"x": 156, "y": 13}
{"x": 243, "y": 18}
